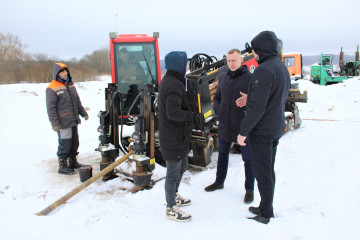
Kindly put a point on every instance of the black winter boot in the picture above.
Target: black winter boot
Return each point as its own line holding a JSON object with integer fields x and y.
{"x": 260, "y": 219}
{"x": 255, "y": 210}
{"x": 249, "y": 196}
{"x": 214, "y": 187}
{"x": 73, "y": 163}
{"x": 63, "y": 167}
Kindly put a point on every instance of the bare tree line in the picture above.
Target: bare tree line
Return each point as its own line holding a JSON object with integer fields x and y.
{"x": 17, "y": 66}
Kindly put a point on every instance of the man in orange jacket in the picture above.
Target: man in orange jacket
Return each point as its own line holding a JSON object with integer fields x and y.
{"x": 63, "y": 107}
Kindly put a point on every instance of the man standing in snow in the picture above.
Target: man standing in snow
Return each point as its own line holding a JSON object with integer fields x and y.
{"x": 231, "y": 85}
{"x": 63, "y": 107}
{"x": 264, "y": 121}
{"x": 175, "y": 126}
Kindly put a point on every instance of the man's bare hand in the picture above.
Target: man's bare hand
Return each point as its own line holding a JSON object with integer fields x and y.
{"x": 241, "y": 101}
{"x": 241, "y": 140}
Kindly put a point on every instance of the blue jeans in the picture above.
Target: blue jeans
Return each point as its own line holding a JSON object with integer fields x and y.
{"x": 68, "y": 142}
{"x": 223, "y": 163}
{"x": 174, "y": 172}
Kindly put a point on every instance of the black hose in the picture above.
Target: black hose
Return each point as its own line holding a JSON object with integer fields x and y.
{"x": 200, "y": 60}
{"x": 133, "y": 104}
{"x": 122, "y": 124}
{"x": 111, "y": 104}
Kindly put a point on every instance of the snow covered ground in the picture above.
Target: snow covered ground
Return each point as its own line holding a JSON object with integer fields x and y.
{"x": 317, "y": 190}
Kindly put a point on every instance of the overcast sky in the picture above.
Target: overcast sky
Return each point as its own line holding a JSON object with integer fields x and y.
{"x": 74, "y": 28}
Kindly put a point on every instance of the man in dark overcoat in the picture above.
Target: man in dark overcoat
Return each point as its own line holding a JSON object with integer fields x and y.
{"x": 232, "y": 85}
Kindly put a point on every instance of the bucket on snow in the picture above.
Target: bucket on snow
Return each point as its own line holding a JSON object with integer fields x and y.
{"x": 85, "y": 172}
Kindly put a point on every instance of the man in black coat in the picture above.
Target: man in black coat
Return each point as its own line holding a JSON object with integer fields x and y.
{"x": 175, "y": 126}
{"x": 231, "y": 85}
{"x": 264, "y": 121}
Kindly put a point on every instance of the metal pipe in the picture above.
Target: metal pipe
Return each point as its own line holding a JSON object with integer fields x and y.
{"x": 84, "y": 185}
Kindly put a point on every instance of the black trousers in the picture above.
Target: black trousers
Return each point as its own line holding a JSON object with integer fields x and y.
{"x": 68, "y": 142}
{"x": 223, "y": 163}
{"x": 263, "y": 151}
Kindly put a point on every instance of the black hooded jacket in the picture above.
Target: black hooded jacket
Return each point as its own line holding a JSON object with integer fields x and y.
{"x": 175, "y": 117}
{"x": 268, "y": 90}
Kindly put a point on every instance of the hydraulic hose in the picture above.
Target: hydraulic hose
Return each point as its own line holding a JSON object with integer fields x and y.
{"x": 122, "y": 124}
{"x": 200, "y": 60}
{"x": 111, "y": 104}
{"x": 133, "y": 104}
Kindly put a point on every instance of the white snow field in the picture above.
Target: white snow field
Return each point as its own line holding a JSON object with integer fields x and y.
{"x": 317, "y": 190}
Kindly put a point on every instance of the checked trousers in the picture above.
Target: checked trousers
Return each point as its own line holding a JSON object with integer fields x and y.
{"x": 263, "y": 152}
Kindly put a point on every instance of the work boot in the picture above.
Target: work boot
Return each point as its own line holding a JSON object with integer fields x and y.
{"x": 260, "y": 219}
{"x": 181, "y": 202}
{"x": 249, "y": 196}
{"x": 174, "y": 213}
{"x": 64, "y": 168}
{"x": 214, "y": 187}
{"x": 73, "y": 163}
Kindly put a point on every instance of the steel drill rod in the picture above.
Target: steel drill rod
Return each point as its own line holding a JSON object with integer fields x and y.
{"x": 84, "y": 185}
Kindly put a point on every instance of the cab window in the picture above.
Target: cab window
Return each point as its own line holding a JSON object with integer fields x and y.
{"x": 135, "y": 65}
{"x": 289, "y": 61}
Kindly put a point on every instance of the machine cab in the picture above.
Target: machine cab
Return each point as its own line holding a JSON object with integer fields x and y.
{"x": 134, "y": 63}
{"x": 293, "y": 62}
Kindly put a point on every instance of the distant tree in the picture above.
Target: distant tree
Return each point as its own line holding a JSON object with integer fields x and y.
{"x": 11, "y": 56}
{"x": 98, "y": 60}
{"x": 40, "y": 68}
{"x": 17, "y": 66}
